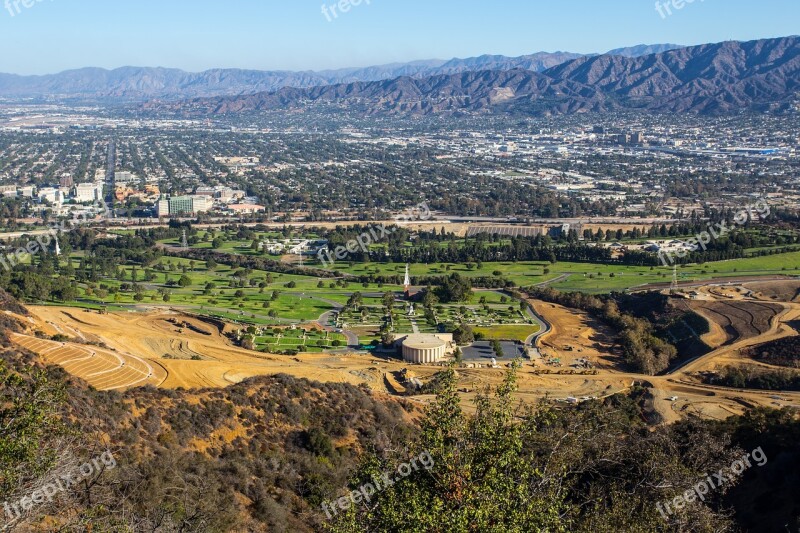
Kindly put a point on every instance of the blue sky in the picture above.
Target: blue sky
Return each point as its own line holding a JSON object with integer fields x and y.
{"x": 54, "y": 35}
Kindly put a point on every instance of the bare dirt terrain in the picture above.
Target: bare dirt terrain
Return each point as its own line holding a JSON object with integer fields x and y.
{"x": 788, "y": 291}
{"x": 576, "y": 335}
{"x": 165, "y": 348}
{"x": 187, "y": 359}
{"x": 103, "y": 369}
{"x": 757, "y": 314}
{"x": 737, "y": 319}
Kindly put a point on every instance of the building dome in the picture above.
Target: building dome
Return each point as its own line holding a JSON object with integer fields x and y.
{"x": 424, "y": 349}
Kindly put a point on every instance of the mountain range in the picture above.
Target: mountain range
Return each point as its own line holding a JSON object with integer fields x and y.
{"x": 143, "y": 83}
{"x": 708, "y": 79}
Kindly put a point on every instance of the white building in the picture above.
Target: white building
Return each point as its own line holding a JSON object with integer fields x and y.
{"x": 123, "y": 178}
{"x": 246, "y": 209}
{"x": 51, "y": 194}
{"x": 88, "y": 192}
{"x": 426, "y": 349}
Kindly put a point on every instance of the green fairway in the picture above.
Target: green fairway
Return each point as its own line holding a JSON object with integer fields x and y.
{"x": 591, "y": 277}
{"x": 599, "y": 279}
{"x": 269, "y": 298}
{"x": 507, "y": 333}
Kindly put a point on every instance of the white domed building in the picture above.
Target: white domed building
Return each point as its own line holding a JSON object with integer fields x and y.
{"x": 425, "y": 349}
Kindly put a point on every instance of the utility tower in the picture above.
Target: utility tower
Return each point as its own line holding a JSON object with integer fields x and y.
{"x": 674, "y": 287}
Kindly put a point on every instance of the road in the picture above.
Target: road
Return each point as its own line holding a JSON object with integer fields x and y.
{"x": 110, "y": 170}
{"x": 734, "y": 280}
{"x": 325, "y": 318}
{"x": 559, "y": 279}
{"x": 544, "y": 326}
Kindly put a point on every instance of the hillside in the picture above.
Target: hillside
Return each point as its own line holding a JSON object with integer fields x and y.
{"x": 137, "y": 83}
{"x": 708, "y": 79}
{"x": 266, "y": 454}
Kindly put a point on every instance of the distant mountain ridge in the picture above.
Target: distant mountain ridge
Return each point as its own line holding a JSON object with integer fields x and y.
{"x": 643, "y": 50}
{"x": 146, "y": 83}
{"x": 707, "y": 79}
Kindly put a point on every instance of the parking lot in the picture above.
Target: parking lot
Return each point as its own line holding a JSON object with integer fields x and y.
{"x": 481, "y": 352}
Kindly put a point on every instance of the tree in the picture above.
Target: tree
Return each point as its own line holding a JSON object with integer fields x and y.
{"x": 471, "y": 475}
{"x": 463, "y": 335}
{"x": 388, "y": 339}
{"x": 388, "y": 302}
{"x": 355, "y": 301}
{"x": 30, "y": 428}
{"x": 184, "y": 281}
{"x": 508, "y": 468}
{"x": 497, "y": 348}
{"x": 455, "y": 288}
{"x": 429, "y": 299}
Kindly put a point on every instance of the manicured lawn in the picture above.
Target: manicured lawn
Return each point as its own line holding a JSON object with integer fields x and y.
{"x": 629, "y": 277}
{"x": 303, "y": 299}
{"x": 299, "y": 340}
{"x": 508, "y": 333}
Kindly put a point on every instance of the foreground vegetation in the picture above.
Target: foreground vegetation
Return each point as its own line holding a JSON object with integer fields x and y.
{"x": 270, "y": 452}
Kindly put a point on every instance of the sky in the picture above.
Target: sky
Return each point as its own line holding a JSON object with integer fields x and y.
{"x": 50, "y": 36}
